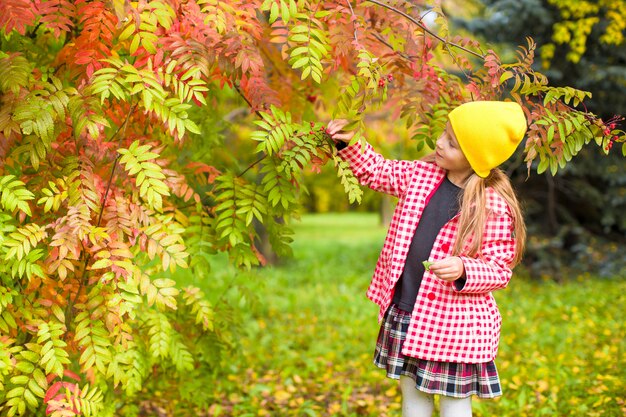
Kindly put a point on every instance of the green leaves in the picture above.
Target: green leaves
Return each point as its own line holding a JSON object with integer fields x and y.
{"x": 54, "y": 357}
{"x": 285, "y": 9}
{"x": 310, "y": 46}
{"x": 307, "y": 36}
{"x": 557, "y": 138}
{"x": 277, "y": 128}
{"x": 85, "y": 114}
{"x": 277, "y": 187}
{"x": 432, "y": 125}
{"x": 93, "y": 338}
{"x": 237, "y": 205}
{"x": 160, "y": 333}
{"x": 566, "y": 94}
{"x": 139, "y": 161}
{"x": 124, "y": 82}
{"x": 13, "y": 194}
{"x": 27, "y": 386}
{"x": 200, "y": 307}
{"x": 348, "y": 180}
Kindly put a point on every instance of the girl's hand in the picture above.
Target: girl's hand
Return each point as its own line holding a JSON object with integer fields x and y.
{"x": 448, "y": 269}
{"x": 334, "y": 129}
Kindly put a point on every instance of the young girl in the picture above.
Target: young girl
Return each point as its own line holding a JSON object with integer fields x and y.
{"x": 440, "y": 326}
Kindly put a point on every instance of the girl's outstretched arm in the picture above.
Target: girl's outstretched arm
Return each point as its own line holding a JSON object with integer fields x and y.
{"x": 371, "y": 168}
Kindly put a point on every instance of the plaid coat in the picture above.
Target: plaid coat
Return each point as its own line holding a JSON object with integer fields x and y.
{"x": 448, "y": 324}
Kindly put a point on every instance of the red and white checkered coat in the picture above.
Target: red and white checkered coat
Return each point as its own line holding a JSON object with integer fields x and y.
{"x": 447, "y": 324}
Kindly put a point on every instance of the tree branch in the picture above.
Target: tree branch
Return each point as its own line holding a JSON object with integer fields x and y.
{"x": 424, "y": 28}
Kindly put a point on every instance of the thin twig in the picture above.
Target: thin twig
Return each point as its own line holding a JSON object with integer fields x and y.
{"x": 356, "y": 35}
{"x": 104, "y": 199}
{"x": 259, "y": 115}
{"x": 425, "y": 29}
{"x": 106, "y": 193}
{"x": 252, "y": 166}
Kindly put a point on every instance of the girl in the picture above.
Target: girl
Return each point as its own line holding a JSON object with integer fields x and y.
{"x": 440, "y": 326}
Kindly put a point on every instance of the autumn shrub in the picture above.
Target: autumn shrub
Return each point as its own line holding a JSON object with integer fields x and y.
{"x": 106, "y": 192}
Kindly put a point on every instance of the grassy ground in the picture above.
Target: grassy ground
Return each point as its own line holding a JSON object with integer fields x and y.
{"x": 308, "y": 334}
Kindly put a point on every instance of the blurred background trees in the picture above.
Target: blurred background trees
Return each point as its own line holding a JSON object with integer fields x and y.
{"x": 577, "y": 217}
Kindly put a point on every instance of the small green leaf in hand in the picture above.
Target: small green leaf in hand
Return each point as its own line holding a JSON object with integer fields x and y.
{"x": 427, "y": 265}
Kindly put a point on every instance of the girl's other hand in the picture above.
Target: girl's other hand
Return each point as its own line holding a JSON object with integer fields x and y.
{"x": 448, "y": 269}
{"x": 334, "y": 129}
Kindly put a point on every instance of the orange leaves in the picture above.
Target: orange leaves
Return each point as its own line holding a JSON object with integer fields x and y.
{"x": 258, "y": 92}
{"x": 66, "y": 399}
{"x": 94, "y": 41}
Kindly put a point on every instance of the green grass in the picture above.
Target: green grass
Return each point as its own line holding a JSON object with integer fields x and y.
{"x": 307, "y": 335}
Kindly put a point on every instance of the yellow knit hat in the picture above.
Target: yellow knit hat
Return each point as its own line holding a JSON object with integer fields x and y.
{"x": 488, "y": 132}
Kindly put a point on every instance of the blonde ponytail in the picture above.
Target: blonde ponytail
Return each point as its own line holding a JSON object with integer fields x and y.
{"x": 474, "y": 214}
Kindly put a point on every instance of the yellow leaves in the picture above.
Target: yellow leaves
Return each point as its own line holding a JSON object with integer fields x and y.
{"x": 614, "y": 34}
{"x": 200, "y": 307}
{"x": 579, "y": 18}
{"x": 161, "y": 292}
{"x": 218, "y": 14}
{"x": 186, "y": 82}
{"x": 144, "y": 25}
{"x": 166, "y": 244}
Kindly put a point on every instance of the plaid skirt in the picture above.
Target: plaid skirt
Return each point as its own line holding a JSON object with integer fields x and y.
{"x": 446, "y": 378}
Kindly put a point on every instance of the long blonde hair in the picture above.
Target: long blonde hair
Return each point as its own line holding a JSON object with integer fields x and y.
{"x": 473, "y": 213}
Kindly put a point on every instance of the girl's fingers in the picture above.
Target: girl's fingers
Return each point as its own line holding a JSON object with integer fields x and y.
{"x": 345, "y": 136}
{"x": 446, "y": 270}
{"x": 336, "y": 125}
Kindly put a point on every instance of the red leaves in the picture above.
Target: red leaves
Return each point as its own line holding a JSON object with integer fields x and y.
{"x": 58, "y": 395}
{"x": 258, "y": 92}
{"x": 16, "y": 14}
{"x": 57, "y": 15}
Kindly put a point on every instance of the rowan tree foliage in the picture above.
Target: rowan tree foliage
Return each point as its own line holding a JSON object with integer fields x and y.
{"x": 99, "y": 204}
